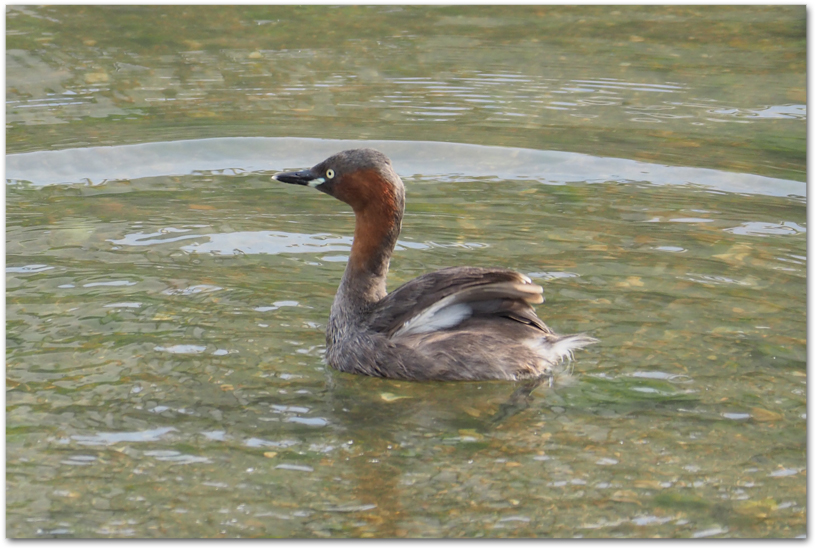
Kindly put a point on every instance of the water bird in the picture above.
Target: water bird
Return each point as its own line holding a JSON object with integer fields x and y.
{"x": 455, "y": 324}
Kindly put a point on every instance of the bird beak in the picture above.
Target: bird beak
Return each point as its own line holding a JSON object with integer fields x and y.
{"x": 305, "y": 177}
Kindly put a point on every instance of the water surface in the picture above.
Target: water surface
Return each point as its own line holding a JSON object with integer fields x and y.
{"x": 166, "y": 302}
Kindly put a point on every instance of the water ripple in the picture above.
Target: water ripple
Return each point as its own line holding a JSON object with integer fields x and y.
{"x": 269, "y": 154}
{"x": 110, "y": 438}
{"x": 785, "y": 228}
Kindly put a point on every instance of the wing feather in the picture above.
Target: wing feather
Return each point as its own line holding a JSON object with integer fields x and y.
{"x": 442, "y": 299}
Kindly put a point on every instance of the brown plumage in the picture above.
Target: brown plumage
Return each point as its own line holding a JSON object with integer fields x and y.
{"x": 459, "y": 323}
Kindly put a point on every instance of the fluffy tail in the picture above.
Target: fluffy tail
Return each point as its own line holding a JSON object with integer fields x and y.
{"x": 553, "y": 349}
{"x": 565, "y": 345}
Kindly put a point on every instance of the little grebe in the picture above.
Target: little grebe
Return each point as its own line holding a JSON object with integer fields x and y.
{"x": 458, "y": 323}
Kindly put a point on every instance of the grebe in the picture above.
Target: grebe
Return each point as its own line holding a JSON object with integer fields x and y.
{"x": 458, "y": 323}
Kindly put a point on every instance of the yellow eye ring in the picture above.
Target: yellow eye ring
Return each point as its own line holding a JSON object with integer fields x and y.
{"x": 330, "y": 173}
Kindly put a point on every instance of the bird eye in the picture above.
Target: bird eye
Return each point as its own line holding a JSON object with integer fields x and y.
{"x": 330, "y": 173}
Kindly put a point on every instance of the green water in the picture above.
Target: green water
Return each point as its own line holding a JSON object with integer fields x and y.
{"x": 166, "y": 302}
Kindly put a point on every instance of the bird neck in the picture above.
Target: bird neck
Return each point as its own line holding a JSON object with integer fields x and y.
{"x": 377, "y": 228}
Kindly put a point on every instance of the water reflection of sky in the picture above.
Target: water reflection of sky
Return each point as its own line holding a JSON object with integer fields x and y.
{"x": 267, "y": 242}
{"x": 798, "y": 112}
{"x": 428, "y": 159}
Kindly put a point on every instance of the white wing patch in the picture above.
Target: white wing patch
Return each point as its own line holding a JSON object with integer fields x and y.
{"x": 439, "y": 316}
{"x": 454, "y": 309}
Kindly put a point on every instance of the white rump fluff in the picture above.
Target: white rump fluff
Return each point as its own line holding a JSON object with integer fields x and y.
{"x": 554, "y": 352}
